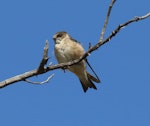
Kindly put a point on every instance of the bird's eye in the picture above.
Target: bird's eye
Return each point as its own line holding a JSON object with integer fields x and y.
{"x": 59, "y": 35}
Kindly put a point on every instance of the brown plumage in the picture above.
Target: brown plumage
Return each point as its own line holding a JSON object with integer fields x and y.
{"x": 68, "y": 49}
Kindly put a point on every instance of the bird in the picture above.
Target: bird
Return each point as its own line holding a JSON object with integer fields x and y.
{"x": 67, "y": 49}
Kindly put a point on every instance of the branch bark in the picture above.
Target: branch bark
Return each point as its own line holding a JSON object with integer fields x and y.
{"x": 43, "y": 69}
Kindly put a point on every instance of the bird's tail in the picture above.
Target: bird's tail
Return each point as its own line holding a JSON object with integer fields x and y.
{"x": 87, "y": 82}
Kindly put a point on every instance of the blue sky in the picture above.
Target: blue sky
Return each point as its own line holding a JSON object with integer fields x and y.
{"x": 123, "y": 64}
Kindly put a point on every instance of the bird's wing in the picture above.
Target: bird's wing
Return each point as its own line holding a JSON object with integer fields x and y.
{"x": 93, "y": 78}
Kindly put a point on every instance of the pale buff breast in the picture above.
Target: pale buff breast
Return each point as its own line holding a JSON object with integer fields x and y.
{"x": 68, "y": 50}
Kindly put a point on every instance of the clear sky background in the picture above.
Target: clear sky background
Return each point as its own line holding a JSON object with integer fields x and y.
{"x": 123, "y": 64}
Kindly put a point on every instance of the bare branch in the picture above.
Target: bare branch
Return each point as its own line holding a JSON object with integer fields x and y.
{"x": 17, "y": 78}
{"x": 135, "y": 19}
{"x": 24, "y": 76}
{"x": 106, "y": 20}
{"x": 45, "y": 58}
{"x": 42, "y": 69}
{"x": 43, "y": 82}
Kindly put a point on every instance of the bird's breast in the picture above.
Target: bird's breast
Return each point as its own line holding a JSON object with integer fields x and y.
{"x": 62, "y": 53}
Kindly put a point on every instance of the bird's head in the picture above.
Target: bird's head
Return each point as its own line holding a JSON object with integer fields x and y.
{"x": 60, "y": 36}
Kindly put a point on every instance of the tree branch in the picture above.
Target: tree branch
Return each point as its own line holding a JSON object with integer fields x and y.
{"x": 24, "y": 76}
{"x": 42, "y": 69}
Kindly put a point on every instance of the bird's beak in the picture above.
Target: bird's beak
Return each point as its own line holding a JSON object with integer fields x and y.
{"x": 54, "y": 38}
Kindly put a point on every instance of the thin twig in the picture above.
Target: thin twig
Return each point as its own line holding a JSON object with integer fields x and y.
{"x": 106, "y": 20}
{"x": 135, "y": 19}
{"x": 45, "y": 58}
{"x": 43, "y": 82}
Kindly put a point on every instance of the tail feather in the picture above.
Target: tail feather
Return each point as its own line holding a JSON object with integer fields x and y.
{"x": 97, "y": 80}
{"x": 87, "y": 83}
{"x": 85, "y": 87}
